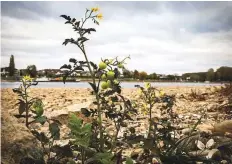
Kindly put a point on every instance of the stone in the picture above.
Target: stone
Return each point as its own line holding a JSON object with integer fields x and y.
{"x": 210, "y": 143}
{"x": 224, "y": 162}
{"x": 156, "y": 161}
{"x": 186, "y": 131}
{"x": 200, "y": 145}
{"x": 223, "y": 127}
{"x": 136, "y": 152}
{"x": 214, "y": 154}
{"x": 200, "y": 153}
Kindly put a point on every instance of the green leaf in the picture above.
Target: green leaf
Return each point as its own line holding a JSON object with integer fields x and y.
{"x": 66, "y": 41}
{"x": 54, "y": 130}
{"x": 82, "y": 39}
{"x": 41, "y": 119}
{"x": 38, "y": 107}
{"x": 77, "y": 23}
{"x": 65, "y": 66}
{"x": 93, "y": 65}
{"x": 66, "y": 17}
{"x": 89, "y": 30}
{"x": 85, "y": 112}
{"x": 68, "y": 22}
{"x": 129, "y": 161}
{"x": 79, "y": 131}
{"x": 71, "y": 162}
{"x": 17, "y": 90}
{"x": 148, "y": 143}
{"x": 73, "y": 20}
{"x": 78, "y": 68}
{"x": 35, "y": 83}
{"x": 86, "y": 128}
{"x": 40, "y": 136}
{"x": 22, "y": 107}
{"x": 104, "y": 158}
{"x": 132, "y": 130}
{"x": 94, "y": 87}
{"x": 72, "y": 60}
{"x": 63, "y": 151}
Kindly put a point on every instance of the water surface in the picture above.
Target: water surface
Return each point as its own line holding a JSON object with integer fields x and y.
{"x": 123, "y": 84}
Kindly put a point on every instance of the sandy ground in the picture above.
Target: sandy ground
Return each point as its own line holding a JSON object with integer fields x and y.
{"x": 13, "y": 130}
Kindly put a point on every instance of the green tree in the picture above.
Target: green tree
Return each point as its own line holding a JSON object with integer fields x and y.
{"x": 11, "y": 66}
{"x": 142, "y": 75}
{"x": 194, "y": 77}
{"x": 170, "y": 77}
{"x": 22, "y": 72}
{"x": 152, "y": 76}
{"x": 224, "y": 73}
{"x": 32, "y": 71}
{"x": 126, "y": 73}
{"x": 136, "y": 74}
{"x": 200, "y": 75}
{"x": 210, "y": 75}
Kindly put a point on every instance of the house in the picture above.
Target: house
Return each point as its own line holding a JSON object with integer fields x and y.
{"x": 83, "y": 73}
{"x": 49, "y": 72}
{"x": 59, "y": 73}
{"x": 5, "y": 71}
{"x": 22, "y": 72}
{"x": 161, "y": 76}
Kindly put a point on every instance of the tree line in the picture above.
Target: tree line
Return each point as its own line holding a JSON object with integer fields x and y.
{"x": 30, "y": 70}
{"x": 223, "y": 73}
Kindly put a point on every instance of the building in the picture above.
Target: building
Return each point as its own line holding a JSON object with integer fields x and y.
{"x": 162, "y": 76}
{"x": 4, "y": 71}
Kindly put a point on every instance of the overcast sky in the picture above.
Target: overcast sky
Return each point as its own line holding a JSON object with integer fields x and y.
{"x": 161, "y": 37}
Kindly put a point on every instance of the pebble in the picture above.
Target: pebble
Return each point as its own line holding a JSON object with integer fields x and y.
{"x": 214, "y": 154}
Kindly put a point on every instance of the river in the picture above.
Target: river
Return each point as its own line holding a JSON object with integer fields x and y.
{"x": 123, "y": 84}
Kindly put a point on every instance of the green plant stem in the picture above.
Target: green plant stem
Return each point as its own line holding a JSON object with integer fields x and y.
{"x": 149, "y": 121}
{"x": 94, "y": 83}
{"x": 26, "y": 106}
{"x": 116, "y": 135}
{"x": 82, "y": 156}
{"x": 97, "y": 97}
{"x": 150, "y": 110}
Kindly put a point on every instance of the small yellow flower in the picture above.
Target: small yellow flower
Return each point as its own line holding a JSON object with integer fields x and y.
{"x": 100, "y": 16}
{"x": 110, "y": 102}
{"x": 162, "y": 93}
{"x": 145, "y": 106}
{"x": 95, "y": 9}
{"x": 140, "y": 91}
{"x": 147, "y": 85}
{"x": 27, "y": 78}
{"x": 157, "y": 94}
{"x": 144, "y": 111}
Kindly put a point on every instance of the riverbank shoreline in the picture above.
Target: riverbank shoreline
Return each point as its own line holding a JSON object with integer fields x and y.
{"x": 124, "y": 84}
{"x": 132, "y": 81}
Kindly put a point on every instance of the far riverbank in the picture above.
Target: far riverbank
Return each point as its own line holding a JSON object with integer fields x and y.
{"x": 124, "y": 84}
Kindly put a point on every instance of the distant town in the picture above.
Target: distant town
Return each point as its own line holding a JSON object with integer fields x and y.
{"x": 222, "y": 74}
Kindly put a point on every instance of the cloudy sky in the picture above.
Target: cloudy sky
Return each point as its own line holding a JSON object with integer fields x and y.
{"x": 161, "y": 37}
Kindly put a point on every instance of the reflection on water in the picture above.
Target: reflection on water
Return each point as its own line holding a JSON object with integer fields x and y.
{"x": 86, "y": 85}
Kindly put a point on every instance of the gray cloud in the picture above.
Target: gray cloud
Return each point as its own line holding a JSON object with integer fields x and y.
{"x": 163, "y": 37}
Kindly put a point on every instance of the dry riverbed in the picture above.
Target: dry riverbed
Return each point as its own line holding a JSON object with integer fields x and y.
{"x": 59, "y": 102}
